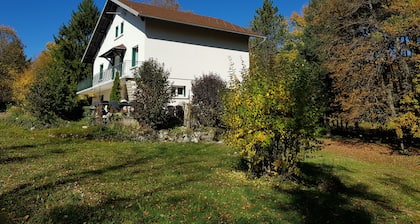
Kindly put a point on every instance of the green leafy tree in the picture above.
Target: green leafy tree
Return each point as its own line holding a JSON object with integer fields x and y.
{"x": 207, "y": 105}
{"x": 153, "y": 94}
{"x": 301, "y": 42}
{"x": 44, "y": 102}
{"x": 41, "y": 97}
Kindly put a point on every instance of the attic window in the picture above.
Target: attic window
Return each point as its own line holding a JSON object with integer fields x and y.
{"x": 119, "y": 30}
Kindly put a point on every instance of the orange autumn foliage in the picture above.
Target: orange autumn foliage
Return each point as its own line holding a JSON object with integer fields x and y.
{"x": 370, "y": 49}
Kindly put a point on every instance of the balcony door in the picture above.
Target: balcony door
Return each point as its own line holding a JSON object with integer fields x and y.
{"x": 115, "y": 57}
{"x": 117, "y": 66}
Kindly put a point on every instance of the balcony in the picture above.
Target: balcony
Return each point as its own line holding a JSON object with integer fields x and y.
{"x": 84, "y": 84}
{"x": 125, "y": 69}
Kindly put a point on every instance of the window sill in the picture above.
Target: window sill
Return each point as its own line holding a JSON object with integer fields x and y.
{"x": 116, "y": 38}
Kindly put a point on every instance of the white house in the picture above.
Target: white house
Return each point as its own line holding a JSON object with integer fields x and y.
{"x": 189, "y": 45}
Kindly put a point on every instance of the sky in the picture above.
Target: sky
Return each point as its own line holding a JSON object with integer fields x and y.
{"x": 37, "y": 22}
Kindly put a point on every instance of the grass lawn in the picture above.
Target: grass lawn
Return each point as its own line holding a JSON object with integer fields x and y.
{"x": 48, "y": 177}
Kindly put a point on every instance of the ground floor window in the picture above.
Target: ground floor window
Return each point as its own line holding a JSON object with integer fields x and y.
{"x": 178, "y": 91}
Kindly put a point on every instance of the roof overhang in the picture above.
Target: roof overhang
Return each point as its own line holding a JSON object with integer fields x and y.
{"x": 113, "y": 52}
{"x": 101, "y": 28}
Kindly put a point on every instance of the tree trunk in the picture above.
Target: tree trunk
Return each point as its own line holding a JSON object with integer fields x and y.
{"x": 187, "y": 115}
{"x": 390, "y": 101}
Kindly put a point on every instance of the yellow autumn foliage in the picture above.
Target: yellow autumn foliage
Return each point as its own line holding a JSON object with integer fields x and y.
{"x": 23, "y": 82}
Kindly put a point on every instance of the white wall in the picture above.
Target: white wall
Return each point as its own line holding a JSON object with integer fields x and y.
{"x": 190, "y": 52}
{"x": 133, "y": 35}
{"x": 187, "y": 52}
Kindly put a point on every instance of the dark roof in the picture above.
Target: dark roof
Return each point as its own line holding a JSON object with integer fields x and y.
{"x": 156, "y": 12}
{"x": 119, "y": 50}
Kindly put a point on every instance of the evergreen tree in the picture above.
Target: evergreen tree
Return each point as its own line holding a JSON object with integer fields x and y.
{"x": 269, "y": 23}
{"x": 303, "y": 43}
{"x": 73, "y": 39}
{"x": 59, "y": 85}
{"x": 115, "y": 94}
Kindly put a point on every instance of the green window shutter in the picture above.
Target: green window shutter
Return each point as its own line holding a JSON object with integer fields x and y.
{"x": 134, "y": 56}
{"x": 116, "y": 31}
{"x": 101, "y": 71}
{"x": 122, "y": 27}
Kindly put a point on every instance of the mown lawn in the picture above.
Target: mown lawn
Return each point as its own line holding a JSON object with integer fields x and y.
{"x": 48, "y": 177}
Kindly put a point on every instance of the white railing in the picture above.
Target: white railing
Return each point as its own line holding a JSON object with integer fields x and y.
{"x": 125, "y": 69}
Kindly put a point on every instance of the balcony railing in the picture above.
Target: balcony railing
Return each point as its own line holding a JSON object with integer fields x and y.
{"x": 125, "y": 70}
{"x": 84, "y": 84}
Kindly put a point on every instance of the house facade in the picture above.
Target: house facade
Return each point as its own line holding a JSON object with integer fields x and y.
{"x": 189, "y": 45}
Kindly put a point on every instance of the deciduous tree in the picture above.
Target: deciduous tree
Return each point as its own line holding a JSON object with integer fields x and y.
{"x": 23, "y": 82}
{"x": 207, "y": 105}
{"x": 271, "y": 117}
{"x": 12, "y": 62}
{"x": 272, "y": 114}
{"x": 370, "y": 48}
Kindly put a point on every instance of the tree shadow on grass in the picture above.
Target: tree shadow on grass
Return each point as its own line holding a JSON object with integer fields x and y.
{"x": 25, "y": 152}
{"x": 26, "y": 201}
{"x": 106, "y": 212}
{"x": 323, "y": 198}
{"x": 26, "y": 198}
{"x": 403, "y": 186}
{"x": 114, "y": 207}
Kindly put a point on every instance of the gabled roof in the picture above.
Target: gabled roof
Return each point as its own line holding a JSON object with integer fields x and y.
{"x": 188, "y": 18}
{"x": 160, "y": 13}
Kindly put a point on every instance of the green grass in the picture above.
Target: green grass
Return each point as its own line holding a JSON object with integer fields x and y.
{"x": 60, "y": 176}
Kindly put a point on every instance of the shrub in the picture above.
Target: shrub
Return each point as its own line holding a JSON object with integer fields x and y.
{"x": 153, "y": 94}
{"x": 207, "y": 105}
{"x": 53, "y": 96}
{"x": 17, "y": 116}
{"x": 270, "y": 119}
